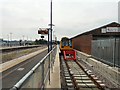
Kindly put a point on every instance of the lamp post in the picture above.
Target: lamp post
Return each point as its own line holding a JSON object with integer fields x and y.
{"x": 23, "y": 41}
{"x": 50, "y": 32}
{"x": 51, "y": 23}
{"x": 8, "y": 40}
{"x": 11, "y": 39}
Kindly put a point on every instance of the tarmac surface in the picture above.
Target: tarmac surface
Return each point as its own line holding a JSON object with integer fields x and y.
{"x": 12, "y": 75}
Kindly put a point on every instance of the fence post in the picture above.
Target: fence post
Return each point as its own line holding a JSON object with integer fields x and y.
{"x": 49, "y": 68}
{"x": 43, "y": 75}
{"x": 55, "y": 51}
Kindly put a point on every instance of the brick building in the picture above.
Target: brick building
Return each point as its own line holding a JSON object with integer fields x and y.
{"x": 83, "y": 42}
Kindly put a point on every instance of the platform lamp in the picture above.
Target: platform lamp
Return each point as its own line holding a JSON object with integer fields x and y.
{"x": 11, "y": 39}
{"x": 50, "y": 30}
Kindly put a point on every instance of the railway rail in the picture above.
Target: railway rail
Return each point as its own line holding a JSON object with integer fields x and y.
{"x": 75, "y": 76}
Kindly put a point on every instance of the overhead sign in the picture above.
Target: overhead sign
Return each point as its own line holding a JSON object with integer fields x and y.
{"x": 43, "y": 31}
{"x": 110, "y": 29}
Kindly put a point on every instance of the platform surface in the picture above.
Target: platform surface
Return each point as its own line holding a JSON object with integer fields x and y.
{"x": 55, "y": 75}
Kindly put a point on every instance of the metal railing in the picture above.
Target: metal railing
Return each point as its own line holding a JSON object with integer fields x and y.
{"x": 39, "y": 75}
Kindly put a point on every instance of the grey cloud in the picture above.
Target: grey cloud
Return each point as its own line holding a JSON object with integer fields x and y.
{"x": 71, "y": 17}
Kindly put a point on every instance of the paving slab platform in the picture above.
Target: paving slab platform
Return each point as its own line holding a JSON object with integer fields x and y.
{"x": 55, "y": 74}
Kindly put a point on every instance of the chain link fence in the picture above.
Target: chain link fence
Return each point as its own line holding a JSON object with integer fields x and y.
{"x": 107, "y": 51}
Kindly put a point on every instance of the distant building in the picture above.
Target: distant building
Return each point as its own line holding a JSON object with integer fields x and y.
{"x": 102, "y": 42}
{"x": 6, "y": 43}
{"x": 83, "y": 42}
{"x": 3, "y": 42}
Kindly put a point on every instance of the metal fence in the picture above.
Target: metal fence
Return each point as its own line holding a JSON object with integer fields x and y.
{"x": 39, "y": 75}
{"x": 107, "y": 51}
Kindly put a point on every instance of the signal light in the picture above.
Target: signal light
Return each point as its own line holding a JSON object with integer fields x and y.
{"x": 42, "y": 36}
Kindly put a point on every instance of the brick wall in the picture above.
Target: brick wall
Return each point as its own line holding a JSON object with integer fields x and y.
{"x": 83, "y": 43}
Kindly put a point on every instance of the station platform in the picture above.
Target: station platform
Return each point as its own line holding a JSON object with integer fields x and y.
{"x": 55, "y": 74}
{"x": 11, "y": 63}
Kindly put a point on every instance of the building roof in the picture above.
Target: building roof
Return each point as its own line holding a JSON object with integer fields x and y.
{"x": 97, "y": 31}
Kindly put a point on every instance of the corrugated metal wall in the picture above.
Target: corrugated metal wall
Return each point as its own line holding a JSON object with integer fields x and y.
{"x": 107, "y": 50}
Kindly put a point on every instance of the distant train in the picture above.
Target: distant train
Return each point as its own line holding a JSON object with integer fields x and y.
{"x": 66, "y": 44}
{"x": 66, "y": 48}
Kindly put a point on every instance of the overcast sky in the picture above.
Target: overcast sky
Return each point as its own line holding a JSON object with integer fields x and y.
{"x": 70, "y": 17}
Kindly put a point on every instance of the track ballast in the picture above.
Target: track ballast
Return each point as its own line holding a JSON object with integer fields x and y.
{"x": 74, "y": 76}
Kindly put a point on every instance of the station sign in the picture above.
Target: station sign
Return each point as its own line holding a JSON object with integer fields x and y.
{"x": 110, "y": 29}
{"x": 43, "y": 31}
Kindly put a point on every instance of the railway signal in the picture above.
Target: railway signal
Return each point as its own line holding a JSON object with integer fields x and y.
{"x": 42, "y": 37}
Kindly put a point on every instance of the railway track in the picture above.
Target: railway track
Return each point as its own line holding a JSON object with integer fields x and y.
{"x": 77, "y": 77}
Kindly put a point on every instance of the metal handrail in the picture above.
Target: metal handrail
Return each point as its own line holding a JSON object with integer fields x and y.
{"x": 20, "y": 82}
